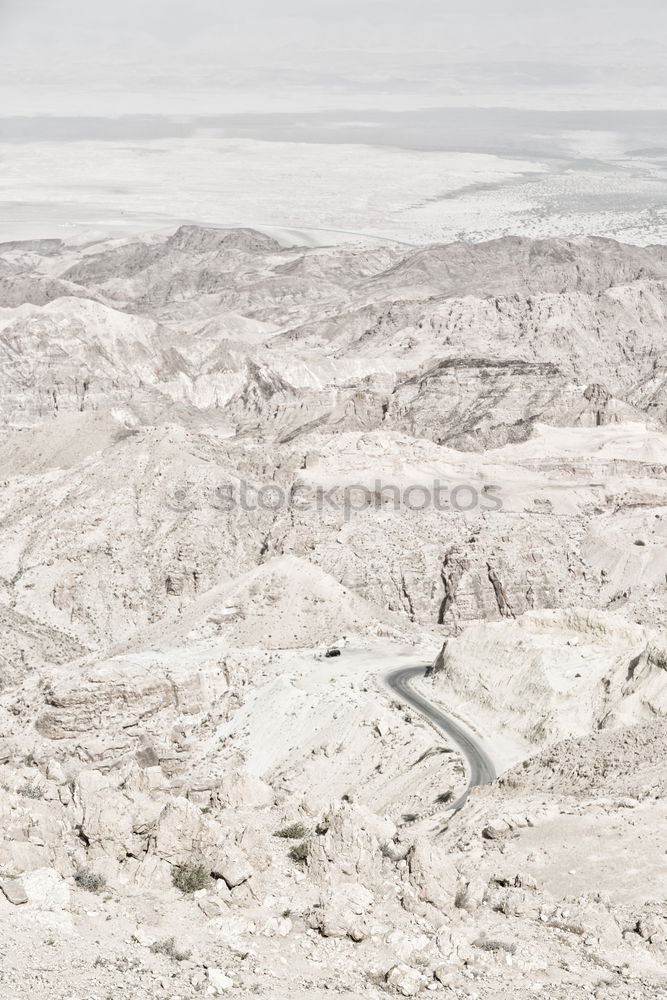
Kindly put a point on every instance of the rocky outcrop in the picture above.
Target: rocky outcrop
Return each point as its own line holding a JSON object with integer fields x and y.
{"x": 432, "y": 878}
{"x": 14, "y": 891}
{"x": 343, "y": 912}
{"x": 348, "y": 846}
{"x": 407, "y": 982}
{"x": 453, "y": 568}
{"x": 504, "y": 608}
{"x": 187, "y": 781}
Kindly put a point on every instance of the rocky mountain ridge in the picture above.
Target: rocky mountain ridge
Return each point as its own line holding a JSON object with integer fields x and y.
{"x": 219, "y": 457}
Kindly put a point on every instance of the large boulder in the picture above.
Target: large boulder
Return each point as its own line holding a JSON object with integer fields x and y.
{"x": 406, "y": 981}
{"x": 348, "y": 848}
{"x": 229, "y": 862}
{"x": 343, "y": 912}
{"x": 105, "y": 814}
{"x": 180, "y": 834}
{"x": 47, "y": 890}
{"x": 593, "y": 921}
{"x": 13, "y": 890}
{"x": 240, "y": 790}
{"x": 22, "y": 856}
{"x": 113, "y": 696}
{"x": 471, "y": 895}
{"x": 432, "y": 875}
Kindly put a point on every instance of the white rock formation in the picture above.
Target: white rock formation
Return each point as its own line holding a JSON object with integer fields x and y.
{"x": 196, "y": 800}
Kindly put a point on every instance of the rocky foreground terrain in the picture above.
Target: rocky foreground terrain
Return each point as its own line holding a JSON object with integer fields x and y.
{"x": 218, "y": 458}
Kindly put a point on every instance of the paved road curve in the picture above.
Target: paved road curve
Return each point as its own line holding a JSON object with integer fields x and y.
{"x": 479, "y": 766}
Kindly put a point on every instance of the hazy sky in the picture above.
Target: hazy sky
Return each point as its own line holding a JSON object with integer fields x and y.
{"x": 130, "y": 54}
{"x": 147, "y": 112}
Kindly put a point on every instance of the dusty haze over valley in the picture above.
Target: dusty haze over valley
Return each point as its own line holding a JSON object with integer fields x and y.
{"x": 333, "y": 500}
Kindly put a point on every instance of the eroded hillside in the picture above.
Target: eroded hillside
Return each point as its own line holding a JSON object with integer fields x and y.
{"x": 219, "y": 457}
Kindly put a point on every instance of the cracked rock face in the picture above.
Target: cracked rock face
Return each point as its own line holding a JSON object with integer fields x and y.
{"x": 144, "y": 396}
{"x": 220, "y": 459}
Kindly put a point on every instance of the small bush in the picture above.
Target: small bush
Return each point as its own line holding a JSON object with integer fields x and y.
{"x": 445, "y": 797}
{"x": 87, "y": 879}
{"x": 191, "y": 878}
{"x": 300, "y": 852}
{"x": 122, "y": 964}
{"x": 410, "y": 817}
{"x": 432, "y": 752}
{"x": 169, "y": 948}
{"x": 460, "y": 898}
{"x": 295, "y": 831}
{"x": 493, "y": 944}
{"x": 31, "y": 790}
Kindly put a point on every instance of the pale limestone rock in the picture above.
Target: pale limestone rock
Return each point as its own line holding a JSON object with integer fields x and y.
{"x": 381, "y": 827}
{"x": 653, "y": 928}
{"x": 241, "y": 790}
{"x": 211, "y": 908}
{"x": 106, "y": 814}
{"x": 21, "y": 856}
{"x": 229, "y": 862}
{"x": 258, "y": 843}
{"x": 471, "y": 896}
{"x": 405, "y": 980}
{"x": 154, "y": 588}
{"x": 590, "y": 920}
{"x": 231, "y": 930}
{"x": 150, "y": 872}
{"x": 454, "y": 946}
{"x": 180, "y": 833}
{"x": 517, "y": 903}
{"x": 219, "y": 980}
{"x": 276, "y": 927}
{"x": 47, "y": 890}
{"x": 346, "y": 847}
{"x": 446, "y": 975}
{"x": 55, "y": 772}
{"x": 14, "y": 891}
{"x": 432, "y": 874}
{"x": 407, "y": 946}
{"x": 115, "y": 695}
{"x": 341, "y": 912}
{"x": 495, "y": 830}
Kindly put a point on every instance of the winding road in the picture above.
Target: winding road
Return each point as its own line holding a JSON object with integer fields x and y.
{"x": 479, "y": 766}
